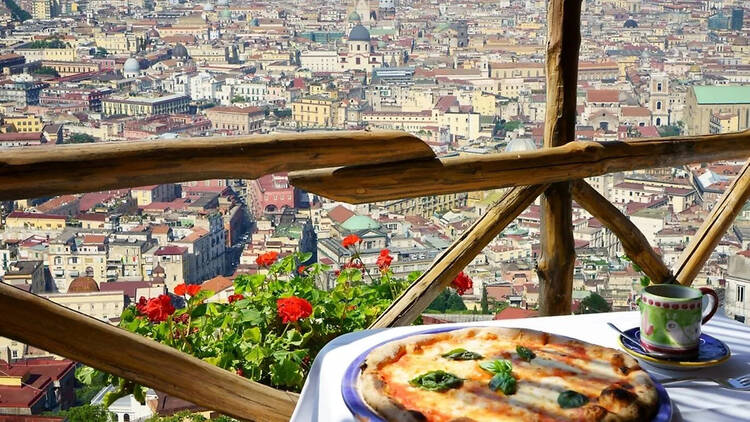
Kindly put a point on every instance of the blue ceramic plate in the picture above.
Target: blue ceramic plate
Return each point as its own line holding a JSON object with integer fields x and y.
{"x": 362, "y": 411}
{"x": 711, "y": 352}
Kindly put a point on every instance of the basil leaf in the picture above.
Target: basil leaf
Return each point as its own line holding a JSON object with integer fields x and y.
{"x": 461, "y": 354}
{"x": 525, "y": 353}
{"x": 504, "y": 382}
{"x": 569, "y": 399}
{"x": 497, "y": 366}
{"x": 436, "y": 381}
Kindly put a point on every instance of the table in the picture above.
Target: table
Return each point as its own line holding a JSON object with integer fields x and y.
{"x": 320, "y": 400}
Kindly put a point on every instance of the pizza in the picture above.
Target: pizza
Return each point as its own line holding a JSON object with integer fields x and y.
{"x": 504, "y": 374}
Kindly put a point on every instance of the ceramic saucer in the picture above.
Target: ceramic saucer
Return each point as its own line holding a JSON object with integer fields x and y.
{"x": 711, "y": 352}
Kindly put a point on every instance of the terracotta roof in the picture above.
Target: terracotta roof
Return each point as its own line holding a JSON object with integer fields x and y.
{"x": 217, "y": 284}
{"x": 339, "y": 214}
{"x": 170, "y": 250}
{"x": 603, "y": 96}
{"x": 635, "y": 111}
{"x": 41, "y": 372}
{"x": 21, "y": 214}
{"x": 514, "y": 313}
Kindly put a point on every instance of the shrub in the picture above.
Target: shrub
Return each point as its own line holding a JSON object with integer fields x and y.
{"x": 275, "y": 323}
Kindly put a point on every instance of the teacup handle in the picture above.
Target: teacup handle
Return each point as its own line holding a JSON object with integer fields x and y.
{"x": 713, "y": 306}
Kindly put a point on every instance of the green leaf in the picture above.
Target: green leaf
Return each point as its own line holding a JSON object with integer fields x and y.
{"x": 252, "y": 335}
{"x": 504, "y": 382}
{"x": 305, "y": 256}
{"x": 286, "y": 373}
{"x": 570, "y": 399}
{"x": 251, "y": 316}
{"x": 413, "y": 276}
{"x": 525, "y": 353}
{"x": 436, "y": 381}
{"x": 645, "y": 281}
{"x": 294, "y": 337}
{"x": 497, "y": 366}
{"x": 139, "y": 393}
{"x": 199, "y": 311}
{"x": 461, "y": 354}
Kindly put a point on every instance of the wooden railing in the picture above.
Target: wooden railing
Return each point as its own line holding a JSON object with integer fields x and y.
{"x": 361, "y": 167}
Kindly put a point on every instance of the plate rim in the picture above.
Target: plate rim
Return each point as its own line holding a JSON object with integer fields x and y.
{"x": 674, "y": 363}
{"x": 360, "y": 409}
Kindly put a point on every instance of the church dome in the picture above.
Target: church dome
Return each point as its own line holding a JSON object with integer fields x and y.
{"x": 359, "y": 33}
{"x": 208, "y": 7}
{"x": 223, "y": 2}
{"x": 354, "y": 17}
{"x": 357, "y": 223}
{"x": 520, "y": 144}
{"x": 83, "y": 284}
{"x": 131, "y": 66}
{"x": 226, "y": 14}
{"x": 179, "y": 51}
{"x": 630, "y": 23}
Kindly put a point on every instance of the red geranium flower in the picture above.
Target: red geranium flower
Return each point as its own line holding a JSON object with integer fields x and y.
{"x": 158, "y": 309}
{"x": 293, "y": 308}
{"x": 267, "y": 259}
{"x": 183, "y": 318}
{"x": 350, "y": 240}
{"x": 235, "y": 298}
{"x": 182, "y": 289}
{"x": 384, "y": 260}
{"x": 301, "y": 269}
{"x": 193, "y": 289}
{"x": 354, "y": 264}
{"x": 240, "y": 372}
{"x": 141, "y": 305}
{"x": 462, "y": 283}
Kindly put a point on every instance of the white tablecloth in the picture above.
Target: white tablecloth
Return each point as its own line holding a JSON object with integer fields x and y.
{"x": 321, "y": 401}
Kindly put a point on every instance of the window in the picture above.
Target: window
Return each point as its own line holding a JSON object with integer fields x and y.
{"x": 658, "y": 105}
{"x": 739, "y": 318}
{"x": 741, "y": 294}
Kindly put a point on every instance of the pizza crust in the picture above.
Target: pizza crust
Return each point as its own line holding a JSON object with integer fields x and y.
{"x": 632, "y": 398}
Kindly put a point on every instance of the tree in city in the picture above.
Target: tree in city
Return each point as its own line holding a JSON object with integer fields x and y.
{"x": 80, "y": 138}
{"x": 593, "y": 304}
{"x": 448, "y": 300}
{"x": 86, "y": 413}
{"x": 100, "y": 52}
{"x": 16, "y": 12}
{"x": 45, "y": 70}
{"x": 484, "y": 301}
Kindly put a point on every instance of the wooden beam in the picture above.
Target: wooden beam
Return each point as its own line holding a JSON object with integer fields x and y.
{"x": 53, "y": 170}
{"x": 574, "y": 160}
{"x": 557, "y": 257}
{"x": 633, "y": 241}
{"x": 41, "y": 323}
{"x": 415, "y": 299}
{"x": 713, "y": 228}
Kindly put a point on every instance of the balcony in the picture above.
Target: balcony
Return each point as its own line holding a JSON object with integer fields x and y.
{"x": 359, "y": 167}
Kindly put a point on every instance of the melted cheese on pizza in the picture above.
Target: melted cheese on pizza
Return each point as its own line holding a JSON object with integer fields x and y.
{"x": 557, "y": 367}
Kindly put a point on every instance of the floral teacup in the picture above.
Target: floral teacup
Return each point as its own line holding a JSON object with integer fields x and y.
{"x": 671, "y": 318}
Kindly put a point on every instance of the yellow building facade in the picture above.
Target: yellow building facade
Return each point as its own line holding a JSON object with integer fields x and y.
{"x": 314, "y": 111}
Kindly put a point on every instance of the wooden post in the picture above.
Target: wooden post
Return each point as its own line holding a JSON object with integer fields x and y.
{"x": 41, "y": 323}
{"x": 713, "y": 228}
{"x": 557, "y": 259}
{"x": 633, "y": 241}
{"x": 418, "y": 296}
